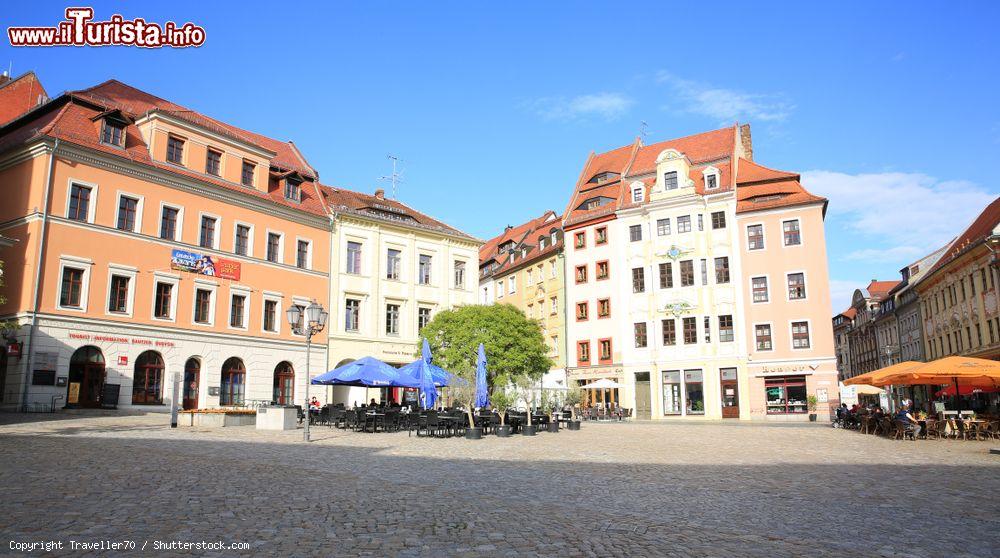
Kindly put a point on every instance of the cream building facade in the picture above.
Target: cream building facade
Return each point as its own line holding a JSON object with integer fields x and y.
{"x": 393, "y": 269}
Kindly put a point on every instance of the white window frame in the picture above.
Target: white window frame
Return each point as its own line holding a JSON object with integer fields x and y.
{"x": 465, "y": 272}
{"x": 79, "y": 263}
{"x": 770, "y": 326}
{"x": 123, "y": 271}
{"x": 552, "y": 269}
{"x": 431, "y": 274}
{"x": 805, "y": 283}
{"x": 171, "y": 279}
{"x": 213, "y": 288}
{"x": 279, "y": 316}
{"x": 512, "y": 284}
{"x": 767, "y": 279}
{"x": 91, "y": 207}
{"x": 140, "y": 201}
{"x": 763, "y": 236}
{"x": 399, "y": 320}
{"x": 179, "y": 231}
{"x": 711, "y": 171}
{"x": 250, "y": 236}
{"x": 791, "y": 335}
{"x": 500, "y": 289}
{"x": 239, "y": 290}
{"x": 400, "y": 267}
{"x": 343, "y": 312}
{"x": 802, "y": 238}
{"x": 218, "y": 230}
{"x": 281, "y": 246}
{"x": 309, "y": 252}
{"x": 677, "y": 222}
{"x": 347, "y": 253}
{"x": 638, "y": 190}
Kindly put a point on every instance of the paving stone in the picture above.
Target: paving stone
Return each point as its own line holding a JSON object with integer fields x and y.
{"x": 639, "y": 489}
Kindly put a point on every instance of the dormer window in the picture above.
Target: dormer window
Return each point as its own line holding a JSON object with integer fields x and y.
{"x": 541, "y": 243}
{"x": 711, "y": 175}
{"x": 638, "y": 192}
{"x": 670, "y": 180}
{"x": 293, "y": 190}
{"x": 175, "y": 150}
{"x": 113, "y": 132}
{"x": 603, "y": 177}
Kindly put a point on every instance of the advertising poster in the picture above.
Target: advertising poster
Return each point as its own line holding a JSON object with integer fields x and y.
{"x": 203, "y": 264}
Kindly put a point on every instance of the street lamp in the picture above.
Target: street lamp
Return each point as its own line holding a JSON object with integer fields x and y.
{"x": 308, "y": 322}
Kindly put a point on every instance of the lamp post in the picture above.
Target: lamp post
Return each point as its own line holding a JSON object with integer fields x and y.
{"x": 308, "y": 322}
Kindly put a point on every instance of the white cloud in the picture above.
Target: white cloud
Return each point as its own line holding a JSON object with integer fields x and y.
{"x": 605, "y": 105}
{"x": 903, "y": 216}
{"x": 724, "y": 105}
{"x": 841, "y": 292}
{"x": 895, "y": 253}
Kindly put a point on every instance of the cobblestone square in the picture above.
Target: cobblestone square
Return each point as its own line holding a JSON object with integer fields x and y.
{"x": 639, "y": 489}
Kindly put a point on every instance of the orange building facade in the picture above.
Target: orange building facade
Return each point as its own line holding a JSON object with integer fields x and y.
{"x": 153, "y": 247}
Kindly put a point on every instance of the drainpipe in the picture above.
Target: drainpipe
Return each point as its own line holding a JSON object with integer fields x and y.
{"x": 38, "y": 276}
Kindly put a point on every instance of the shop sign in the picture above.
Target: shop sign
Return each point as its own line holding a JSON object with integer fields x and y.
{"x": 122, "y": 360}
{"x": 795, "y": 368}
{"x": 821, "y": 395}
{"x": 595, "y": 373}
{"x": 74, "y": 393}
{"x": 14, "y": 349}
{"x": 138, "y": 341}
{"x": 203, "y": 264}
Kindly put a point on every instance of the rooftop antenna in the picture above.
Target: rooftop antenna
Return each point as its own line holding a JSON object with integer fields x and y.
{"x": 643, "y": 129}
{"x": 396, "y": 177}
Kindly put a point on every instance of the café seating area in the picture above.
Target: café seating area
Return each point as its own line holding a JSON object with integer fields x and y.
{"x": 434, "y": 423}
{"x": 953, "y": 426}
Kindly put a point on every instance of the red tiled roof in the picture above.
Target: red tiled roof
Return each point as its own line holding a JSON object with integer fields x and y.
{"x": 520, "y": 234}
{"x": 759, "y": 187}
{"x": 116, "y": 94}
{"x": 19, "y": 95}
{"x": 981, "y": 228}
{"x": 69, "y": 120}
{"x": 343, "y": 200}
{"x": 715, "y": 148}
{"x": 850, "y": 313}
{"x": 878, "y": 289}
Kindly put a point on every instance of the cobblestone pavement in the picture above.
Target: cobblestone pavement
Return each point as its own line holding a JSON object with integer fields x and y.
{"x": 641, "y": 489}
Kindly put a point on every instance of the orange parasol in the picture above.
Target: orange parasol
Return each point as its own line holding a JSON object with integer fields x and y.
{"x": 876, "y": 377}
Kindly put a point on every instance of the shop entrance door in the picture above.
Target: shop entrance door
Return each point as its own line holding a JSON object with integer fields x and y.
{"x": 643, "y": 410}
{"x": 192, "y": 373}
{"x": 730, "y": 393}
{"x": 86, "y": 378}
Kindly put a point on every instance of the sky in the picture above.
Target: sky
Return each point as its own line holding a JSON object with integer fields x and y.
{"x": 889, "y": 110}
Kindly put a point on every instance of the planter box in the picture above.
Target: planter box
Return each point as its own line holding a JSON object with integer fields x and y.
{"x": 216, "y": 420}
{"x": 277, "y": 418}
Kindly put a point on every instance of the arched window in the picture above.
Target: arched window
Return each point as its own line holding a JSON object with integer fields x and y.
{"x": 147, "y": 384}
{"x": 234, "y": 377}
{"x": 284, "y": 384}
{"x": 192, "y": 376}
{"x": 86, "y": 377}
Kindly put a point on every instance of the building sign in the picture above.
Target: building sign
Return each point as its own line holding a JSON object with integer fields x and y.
{"x": 203, "y": 264}
{"x": 74, "y": 393}
{"x": 120, "y": 339}
{"x": 595, "y": 373}
{"x": 122, "y": 360}
{"x": 786, "y": 369}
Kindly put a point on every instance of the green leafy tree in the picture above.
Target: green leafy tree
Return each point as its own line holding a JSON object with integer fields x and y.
{"x": 514, "y": 344}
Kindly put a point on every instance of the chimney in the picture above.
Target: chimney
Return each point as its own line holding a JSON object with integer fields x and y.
{"x": 4, "y": 77}
{"x": 380, "y": 194}
{"x": 747, "y": 142}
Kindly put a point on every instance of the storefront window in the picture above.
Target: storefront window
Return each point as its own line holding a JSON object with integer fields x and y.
{"x": 785, "y": 394}
{"x": 148, "y": 379}
{"x": 233, "y": 381}
{"x": 672, "y": 392}
{"x": 694, "y": 391}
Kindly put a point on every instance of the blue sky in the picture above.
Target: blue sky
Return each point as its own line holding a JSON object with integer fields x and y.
{"x": 890, "y": 111}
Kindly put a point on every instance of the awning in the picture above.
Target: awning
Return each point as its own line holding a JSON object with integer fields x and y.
{"x": 602, "y": 384}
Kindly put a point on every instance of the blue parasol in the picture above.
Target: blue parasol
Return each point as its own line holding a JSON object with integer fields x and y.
{"x": 367, "y": 372}
{"x": 482, "y": 391}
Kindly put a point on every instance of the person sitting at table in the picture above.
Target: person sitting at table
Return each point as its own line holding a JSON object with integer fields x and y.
{"x": 372, "y": 403}
{"x": 314, "y": 404}
{"x": 907, "y": 418}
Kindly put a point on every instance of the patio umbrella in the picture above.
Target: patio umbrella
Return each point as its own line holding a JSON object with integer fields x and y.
{"x": 366, "y": 372}
{"x": 428, "y": 389}
{"x": 482, "y": 398}
{"x": 426, "y": 351}
{"x": 877, "y": 377}
{"x": 418, "y": 368}
{"x": 955, "y": 370}
{"x": 603, "y": 383}
{"x": 967, "y": 389}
